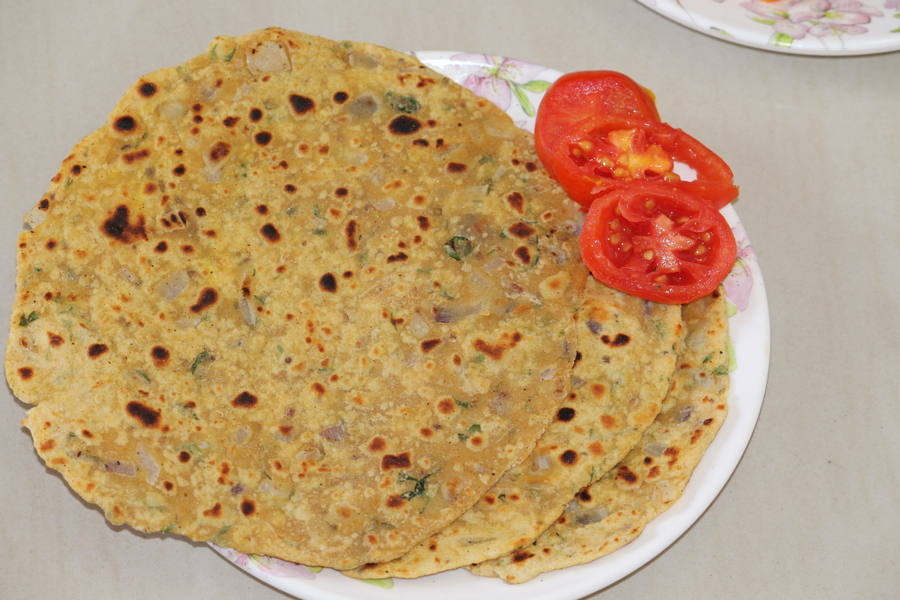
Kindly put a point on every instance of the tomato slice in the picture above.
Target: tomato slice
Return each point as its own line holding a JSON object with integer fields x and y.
{"x": 657, "y": 242}
{"x": 582, "y": 94}
{"x": 599, "y": 151}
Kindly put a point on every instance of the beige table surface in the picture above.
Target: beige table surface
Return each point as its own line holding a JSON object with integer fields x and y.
{"x": 813, "y": 510}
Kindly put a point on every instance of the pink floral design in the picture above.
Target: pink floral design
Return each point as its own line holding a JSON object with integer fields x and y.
{"x": 739, "y": 282}
{"x": 282, "y": 568}
{"x": 266, "y": 564}
{"x": 503, "y": 79}
{"x": 820, "y": 18}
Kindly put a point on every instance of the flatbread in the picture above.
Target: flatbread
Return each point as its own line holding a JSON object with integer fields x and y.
{"x": 623, "y": 369}
{"x": 614, "y": 511}
{"x": 260, "y": 305}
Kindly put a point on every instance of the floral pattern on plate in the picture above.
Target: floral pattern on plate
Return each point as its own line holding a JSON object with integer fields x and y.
{"x": 515, "y": 86}
{"x": 815, "y": 27}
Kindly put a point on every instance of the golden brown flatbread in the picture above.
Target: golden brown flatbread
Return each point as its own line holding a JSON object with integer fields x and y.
{"x": 623, "y": 368}
{"x": 614, "y": 511}
{"x": 301, "y": 298}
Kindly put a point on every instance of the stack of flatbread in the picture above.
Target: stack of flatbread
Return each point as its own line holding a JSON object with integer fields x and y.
{"x": 313, "y": 300}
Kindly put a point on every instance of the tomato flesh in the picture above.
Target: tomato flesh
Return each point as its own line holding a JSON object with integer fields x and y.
{"x": 606, "y": 149}
{"x": 583, "y": 94}
{"x": 657, "y": 242}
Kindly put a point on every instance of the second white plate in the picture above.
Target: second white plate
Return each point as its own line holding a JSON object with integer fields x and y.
{"x": 813, "y": 27}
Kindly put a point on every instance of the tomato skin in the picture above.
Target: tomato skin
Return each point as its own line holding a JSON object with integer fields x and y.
{"x": 657, "y": 242}
{"x": 582, "y": 94}
{"x": 584, "y": 177}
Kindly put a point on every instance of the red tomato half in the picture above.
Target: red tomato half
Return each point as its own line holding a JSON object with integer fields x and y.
{"x": 657, "y": 243}
{"x": 602, "y": 150}
{"x": 577, "y": 96}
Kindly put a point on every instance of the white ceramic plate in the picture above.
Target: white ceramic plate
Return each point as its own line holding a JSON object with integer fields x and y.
{"x": 517, "y": 87}
{"x": 815, "y": 27}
